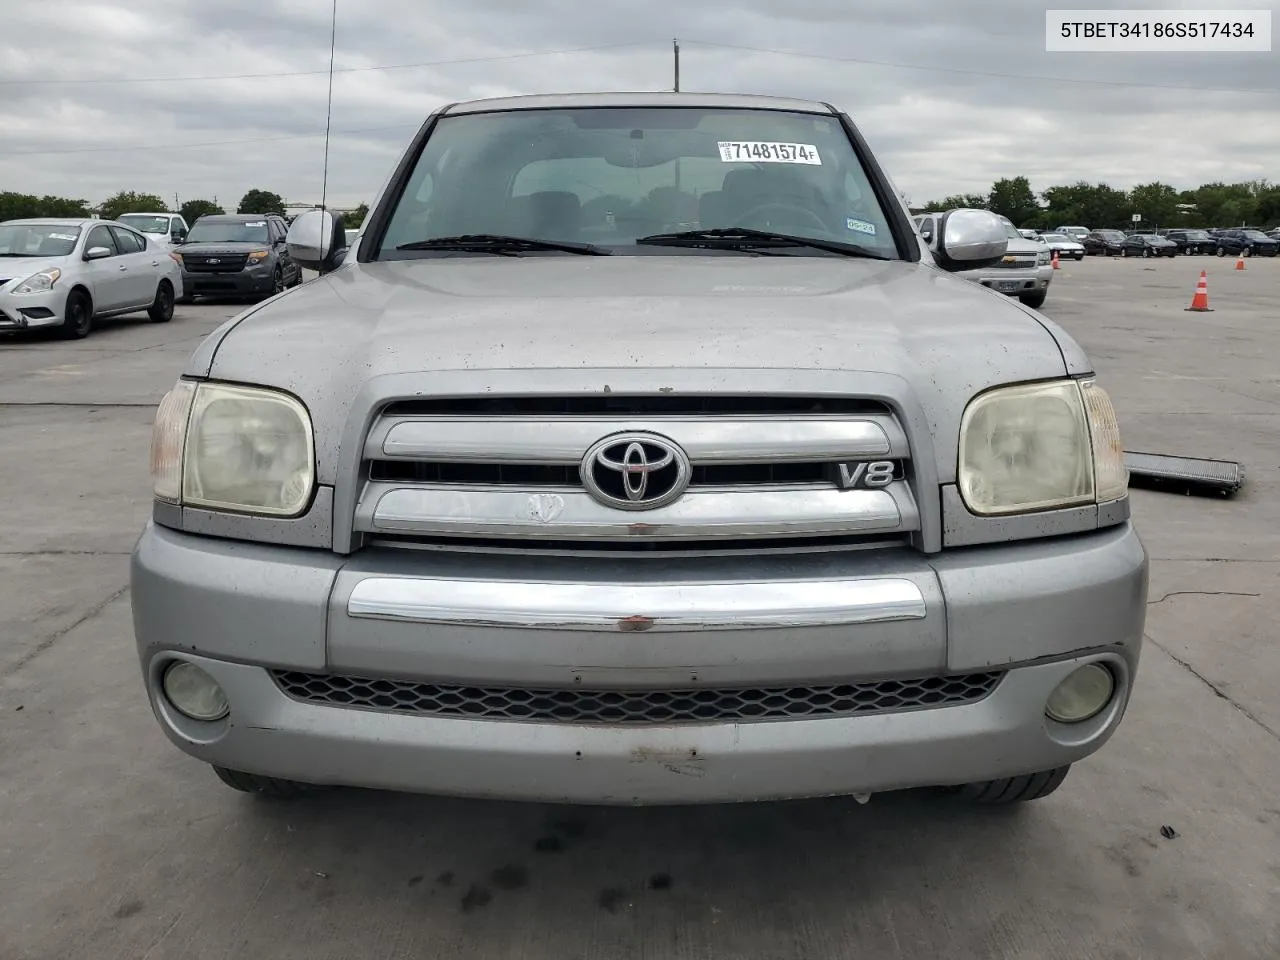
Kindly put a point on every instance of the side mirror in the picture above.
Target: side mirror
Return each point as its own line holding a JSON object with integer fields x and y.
{"x": 969, "y": 238}
{"x": 317, "y": 241}
{"x": 97, "y": 253}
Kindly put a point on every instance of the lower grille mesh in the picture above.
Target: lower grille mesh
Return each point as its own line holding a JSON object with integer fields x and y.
{"x": 636, "y": 707}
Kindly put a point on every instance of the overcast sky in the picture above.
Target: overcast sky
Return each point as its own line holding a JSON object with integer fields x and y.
{"x": 959, "y": 93}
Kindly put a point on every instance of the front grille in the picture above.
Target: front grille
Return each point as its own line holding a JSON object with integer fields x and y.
{"x": 759, "y": 467}
{"x": 637, "y": 707}
{"x": 226, "y": 263}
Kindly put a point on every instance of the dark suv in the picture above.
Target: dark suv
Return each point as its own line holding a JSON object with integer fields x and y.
{"x": 1191, "y": 241}
{"x": 1245, "y": 241}
{"x": 237, "y": 255}
{"x": 1104, "y": 242}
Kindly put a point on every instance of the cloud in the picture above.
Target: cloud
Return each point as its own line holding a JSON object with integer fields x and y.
{"x": 952, "y": 96}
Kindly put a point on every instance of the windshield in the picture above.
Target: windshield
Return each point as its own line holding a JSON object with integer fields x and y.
{"x": 146, "y": 224}
{"x": 37, "y": 239}
{"x": 1111, "y": 234}
{"x": 228, "y": 231}
{"x": 1055, "y": 237}
{"x": 1010, "y": 230}
{"x": 1256, "y": 235}
{"x": 610, "y": 176}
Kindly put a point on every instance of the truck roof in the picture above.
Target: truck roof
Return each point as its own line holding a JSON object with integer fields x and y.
{"x": 640, "y": 99}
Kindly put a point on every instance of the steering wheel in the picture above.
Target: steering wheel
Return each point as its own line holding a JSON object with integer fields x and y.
{"x": 787, "y": 209}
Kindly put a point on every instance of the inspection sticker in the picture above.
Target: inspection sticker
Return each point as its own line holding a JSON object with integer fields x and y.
{"x": 861, "y": 226}
{"x": 62, "y": 236}
{"x": 761, "y": 151}
{"x": 255, "y": 223}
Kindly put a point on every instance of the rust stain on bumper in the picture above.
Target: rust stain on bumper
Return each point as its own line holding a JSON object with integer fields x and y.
{"x": 635, "y": 624}
{"x": 685, "y": 763}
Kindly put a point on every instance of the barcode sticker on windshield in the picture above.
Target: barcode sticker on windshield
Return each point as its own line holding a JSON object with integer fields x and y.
{"x": 255, "y": 223}
{"x": 62, "y": 236}
{"x": 761, "y": 151}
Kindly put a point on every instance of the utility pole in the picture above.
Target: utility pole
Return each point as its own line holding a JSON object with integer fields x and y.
{"x": 176, "y": 205}
{"x": 675, "y": 48}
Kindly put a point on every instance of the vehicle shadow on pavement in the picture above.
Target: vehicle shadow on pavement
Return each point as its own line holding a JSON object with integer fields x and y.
{"x": 562, "y": 869}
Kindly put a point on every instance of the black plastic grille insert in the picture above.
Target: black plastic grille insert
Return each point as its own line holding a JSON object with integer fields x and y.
{"x": 636, "y": 707}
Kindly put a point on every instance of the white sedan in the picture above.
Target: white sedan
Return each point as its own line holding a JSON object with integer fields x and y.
{"x": 64, "y": 274}
{"x": 1065, "y": 246}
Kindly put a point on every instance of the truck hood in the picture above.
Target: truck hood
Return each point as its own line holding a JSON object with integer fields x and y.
{"x": 650, "y": 324}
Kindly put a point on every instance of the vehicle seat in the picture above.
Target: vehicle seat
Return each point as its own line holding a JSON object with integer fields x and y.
{"x": 747, "y": 189}
{"x": 714, "y": 210}
{"x": 548, "y": 215}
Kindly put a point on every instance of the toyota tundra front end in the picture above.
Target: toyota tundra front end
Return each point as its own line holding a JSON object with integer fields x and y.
{"x": 545, "y": 494}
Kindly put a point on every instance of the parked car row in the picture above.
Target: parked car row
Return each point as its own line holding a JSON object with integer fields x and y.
{"x": 1233, "y": 241}
{"x": 1077, "y": 242}
{"x": 66, "y": 273}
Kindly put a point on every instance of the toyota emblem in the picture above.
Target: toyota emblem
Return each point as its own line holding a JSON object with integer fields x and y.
{"x": 635, "y": 471}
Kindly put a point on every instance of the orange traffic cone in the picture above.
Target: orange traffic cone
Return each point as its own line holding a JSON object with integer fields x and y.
{"x": 1240, "y": 261}
{"x": 1055, "y": 261}
{"x": 1200, "y": 302}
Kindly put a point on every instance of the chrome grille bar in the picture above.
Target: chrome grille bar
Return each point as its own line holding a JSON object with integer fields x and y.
{"x": 567, "y": 513}
{"x": 706, "y": 439}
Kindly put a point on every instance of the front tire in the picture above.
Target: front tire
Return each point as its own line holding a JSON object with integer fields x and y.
{"x": 1146, "y": 252}
{"x": 1034, "y": 300}
{"x": 270, "y": 787}
{"x": 1010, "y": 790}
{"x": 277, "y": 285}
{"x": 161, "y": 309}
{"x": 1124, "y": 251}
{"x": 78, "y": 319}
{"x": 1222, "y": 251}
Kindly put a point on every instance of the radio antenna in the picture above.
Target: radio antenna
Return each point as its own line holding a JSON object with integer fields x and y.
{"x": 328, "y": 114}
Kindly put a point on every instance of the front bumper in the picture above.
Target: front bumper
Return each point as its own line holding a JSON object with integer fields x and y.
{"x": 1012, "y": 282}
{"x": 246, "y": 282}
{"x": 1032, "y": 611}
{"x": 32, "y": 311}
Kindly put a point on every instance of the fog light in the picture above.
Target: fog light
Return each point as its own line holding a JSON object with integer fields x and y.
{"x": 193, "y": 692}
{"x": 1081, "y": 695}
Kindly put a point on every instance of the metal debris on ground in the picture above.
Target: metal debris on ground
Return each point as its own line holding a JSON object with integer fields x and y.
{"x": 1187, "y": 475}
{"x": 1168, "y": 832}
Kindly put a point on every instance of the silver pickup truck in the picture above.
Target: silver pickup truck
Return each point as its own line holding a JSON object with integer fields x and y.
{"x": 640, "y": 452}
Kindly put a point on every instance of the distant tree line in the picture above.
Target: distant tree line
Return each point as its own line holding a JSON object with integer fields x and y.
{"x": 1255, "y": 204}
{"x": 16, "y": 206}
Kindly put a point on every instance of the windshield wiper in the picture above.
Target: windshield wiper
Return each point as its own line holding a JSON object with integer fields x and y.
{"x": 744, "y": 238}
{"x": 503, "y": 245}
